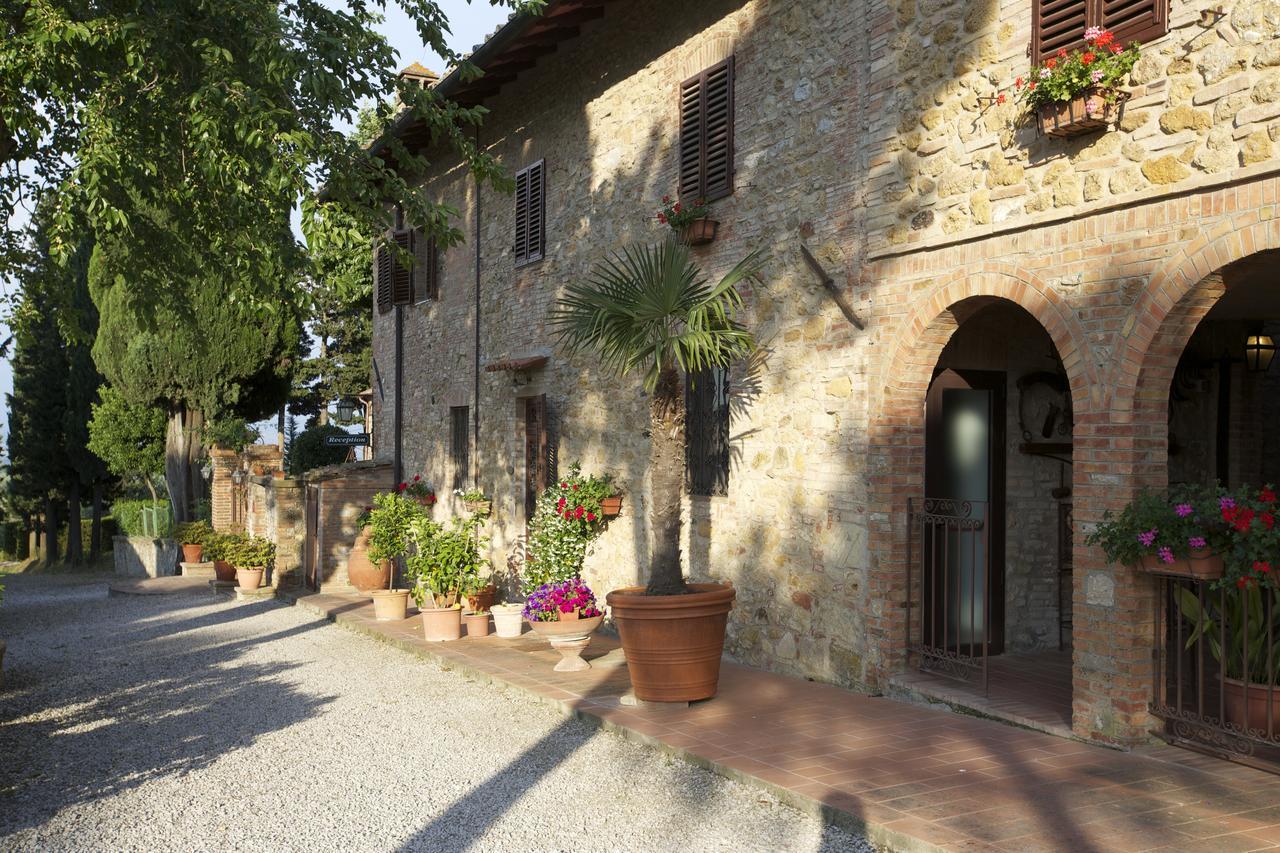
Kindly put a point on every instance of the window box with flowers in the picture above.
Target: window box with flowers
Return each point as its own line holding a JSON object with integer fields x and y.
{"x": 693, "y": 224}
{"x": 1075, "y": 93}
{"x": 1180, "y": 534}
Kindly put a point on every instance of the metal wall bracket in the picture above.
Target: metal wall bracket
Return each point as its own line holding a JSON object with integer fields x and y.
{"x": 829, "y": 283}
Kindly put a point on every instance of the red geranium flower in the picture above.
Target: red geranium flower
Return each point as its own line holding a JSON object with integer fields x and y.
{"x": 560, "y": 503}
{"x": 591, "y": 516}
{"x": 1051, "y": 63}
{"x": 402, "y": 487}
{"x": 1031, "y": 87}
{"x": 1115, "y": 48}
{"x": 1087, "y": 58}
{"x": 666, "y": 199}
{"x": 1262, "y": 566}
{"x": 577, "y": 513}
{"x": 417, "y": 477}
{"x": 1017, "y": 84}
{"x": 1062, "y": 53}
{"x": 1267, "y": 496}
{"x": 1268, "y": 520}
{"x": 1000, "y": 98}
{"x": 564, "y": 485}
{"x": 662, "y": 219}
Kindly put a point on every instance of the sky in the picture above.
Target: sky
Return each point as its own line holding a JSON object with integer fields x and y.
{"x": 470, "y": 24}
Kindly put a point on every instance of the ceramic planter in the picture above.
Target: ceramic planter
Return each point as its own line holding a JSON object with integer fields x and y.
{"x": 249, "y": 578}
{"x": 1093, "y": 110}
{"x": 1200, "y": 565}
{"x": 569, "y": 638}
{"x": 673, "y": 643}
{"x": 610, "y": 507}
{"x": 390, "y": 605}
{"x": 477, "y": 624}
{"x": 482, "y": 600}
{"x": 192, "y": 553}
{"x": 699, "y": 232}
{"x": 1247, "y": 708}
{"x": 440, "y": 624}
{"x": 361, "y": 572}
{"x": 223, "y": 571}
{"x": 508, "y": 621}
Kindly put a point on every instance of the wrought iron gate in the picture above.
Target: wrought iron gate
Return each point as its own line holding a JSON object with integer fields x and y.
{"x": 949, "y": 587}
{"x": 1215, "y": 669}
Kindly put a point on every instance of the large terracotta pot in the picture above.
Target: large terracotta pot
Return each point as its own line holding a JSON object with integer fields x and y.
{"x": 192, "y": 553}
{"x": 390, "y": 604}
{"x": 569, "y": 637}
{"x": 1236, "y": 701}
{"x": 249, "y": 578}
{"x": 440, "y": 624}
{"x": 361, "y": 572}
{"x": 1202, "y": 565}
{"x": 673, "y": 643}
{"x": 223, "y": 571}
{"x": 482, "y": 600}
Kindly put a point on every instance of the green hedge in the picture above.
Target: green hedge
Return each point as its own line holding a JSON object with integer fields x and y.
{"x": 86, "y": 533}
{"x": 13, "y": 541}
{"x": 129, "y": 517}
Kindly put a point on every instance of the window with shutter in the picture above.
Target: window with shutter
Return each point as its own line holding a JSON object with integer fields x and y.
{"x": 426, "y": 267}
{"x": 531, "y": 189}
{"x": 1060, "y": 24}
{"x": 382, "y": 278}
{"x": 707, "y": 431}
{"x": 460, "y": 450}
{"x": 401, "y": 276}
{"x": 706, "y": 134}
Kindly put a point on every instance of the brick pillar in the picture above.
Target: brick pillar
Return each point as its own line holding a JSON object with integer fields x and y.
{"x": 224, "y": 463}
{"x": 288, "y": 504}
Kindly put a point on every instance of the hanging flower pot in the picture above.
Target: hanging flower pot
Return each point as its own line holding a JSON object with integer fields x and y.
{"x": 611, "y": 506}
{"x": 1200, "y": 564}
{"x": 699, "y": 232}
{"x": 1092, "y": 110}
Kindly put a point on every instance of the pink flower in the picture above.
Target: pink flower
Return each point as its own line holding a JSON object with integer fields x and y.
{"x": 1183, "y": 510}
{"x": 1149, "y": 537}
{"x": 1166, "y": 554}
{"x": 1096, "y": 75}
{"x": 1092, "y": 34}
{"x": 1197, "y": 542}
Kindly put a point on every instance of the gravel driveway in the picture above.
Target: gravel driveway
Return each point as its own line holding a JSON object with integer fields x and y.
{"x": 186, "y": 723}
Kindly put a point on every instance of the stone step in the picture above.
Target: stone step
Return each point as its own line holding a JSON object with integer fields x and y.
{"x": 198, "y": 570}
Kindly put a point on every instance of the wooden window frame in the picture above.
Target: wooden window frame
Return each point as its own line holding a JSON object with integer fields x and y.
{"x": 707, "y": 456}
{"x": 426, "y": 269}
{"x": 700, "y": 188}
{"x": 530, "y": 238}
{"x": 1095, "y": 16}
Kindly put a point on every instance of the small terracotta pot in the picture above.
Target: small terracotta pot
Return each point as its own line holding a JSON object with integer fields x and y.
{"x": 699, "y": 232}
{"x": 440, "y": 624}
{"x": 361, "y": 572}
{"x": 570, "y": 639}
{"x": 1202, "y": 564}
{"x": 673, "y": 643}
{"x": 477, "y": 624}
{"x": 249, "y": 578}
{"x": 192, "y": 553}
{"x": 508, "y": 623}
{"x": 390, "y": 605}
{"x": 223, "y": 571}
{"x": 611, "y": 506}
{"x": 482, "y": 600}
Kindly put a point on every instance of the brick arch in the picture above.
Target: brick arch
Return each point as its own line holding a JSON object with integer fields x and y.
{"x": 896, "y": 435}
{"x": 1170, "y": 308}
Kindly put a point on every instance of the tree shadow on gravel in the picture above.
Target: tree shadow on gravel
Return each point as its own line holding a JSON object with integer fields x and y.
{"x": 104, "y": 694}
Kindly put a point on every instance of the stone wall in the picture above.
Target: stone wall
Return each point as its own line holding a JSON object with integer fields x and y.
{"x": 339, "y": 494}
{"x": 144, "y": 557}
{"x": 276, "y": 511}
{"x": 946, "y": 164}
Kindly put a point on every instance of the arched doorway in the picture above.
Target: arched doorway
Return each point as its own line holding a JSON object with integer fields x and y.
{"x": 989, "y": 570}
{"x": 1213, "y": 380}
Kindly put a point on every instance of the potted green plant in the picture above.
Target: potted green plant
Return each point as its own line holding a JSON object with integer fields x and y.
{"x": 389, "y": 521}
{"x": 418, "y": 490}
{"x": 217, "y": 548}
{"x": 650, "y": 310}
{"x": 251, "y": 557}
{"x": 192, "y": 535}
{"x": 475, "y": 501}
{"x": 1078, "y": 92}
{"x": 693, "y": 225}
{"x": 566, "y": 615}
{"x": 1174, "y": 533}
{"x": 567, "y": 519}
{"x": 446, "y": 561}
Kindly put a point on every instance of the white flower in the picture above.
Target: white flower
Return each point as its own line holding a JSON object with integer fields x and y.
{"x": 1044, "y": 73}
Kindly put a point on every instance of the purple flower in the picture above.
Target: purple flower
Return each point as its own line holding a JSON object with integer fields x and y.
{"x": 1166, "y": 553}
{"x": 1226, "y": 503}
{"x": 1148, "y": 538}
{"x": 1183, "y": 510}
{"x": 1197, "y": 542}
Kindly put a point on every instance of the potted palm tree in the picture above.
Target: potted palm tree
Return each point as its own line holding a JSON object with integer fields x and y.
{"x": 649, "y": 310}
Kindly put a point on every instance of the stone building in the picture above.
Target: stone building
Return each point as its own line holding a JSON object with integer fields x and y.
{"x": 1033, "y": 296}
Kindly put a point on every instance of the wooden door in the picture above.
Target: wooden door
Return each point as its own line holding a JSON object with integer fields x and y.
{"x": 536, "y": 461}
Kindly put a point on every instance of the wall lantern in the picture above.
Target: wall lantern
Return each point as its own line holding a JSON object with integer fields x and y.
{"x": 1259, "y": 349}
{"x": 346, "y": 409}
{"x": 237, "y": 476}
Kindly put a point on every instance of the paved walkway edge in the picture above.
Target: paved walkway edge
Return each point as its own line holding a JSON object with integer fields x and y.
{"x": 878, "y": 834}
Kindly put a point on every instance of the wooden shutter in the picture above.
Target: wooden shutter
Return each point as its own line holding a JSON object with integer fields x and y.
{"x": 382, "y": 278}
{"x": 530, "y": 213}
{"x": 1135, "y": 20}
{"x": 426, "y": 267}
{"x": 706, "y": 134}
{"x": 1057, "y": 25}
{"x": 401, "y": 276}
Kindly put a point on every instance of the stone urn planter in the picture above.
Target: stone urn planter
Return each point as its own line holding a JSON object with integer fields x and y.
{"x": 1201, "y": 565}
{"x": 508, "y": 621}
{"x": 250, "y": 578}
{"x": 441, "y": 624}
{"x": 1095, "y": 109}
{"x": 570, "y": 637}
{"x": 361, "y": 572}
{"x": 673, "y": 643}
{"x": 192, "y": 553}
{"x": 699, "y": 232}
{"x": 390, "y": 605}
{"x": 477, "y": 624}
